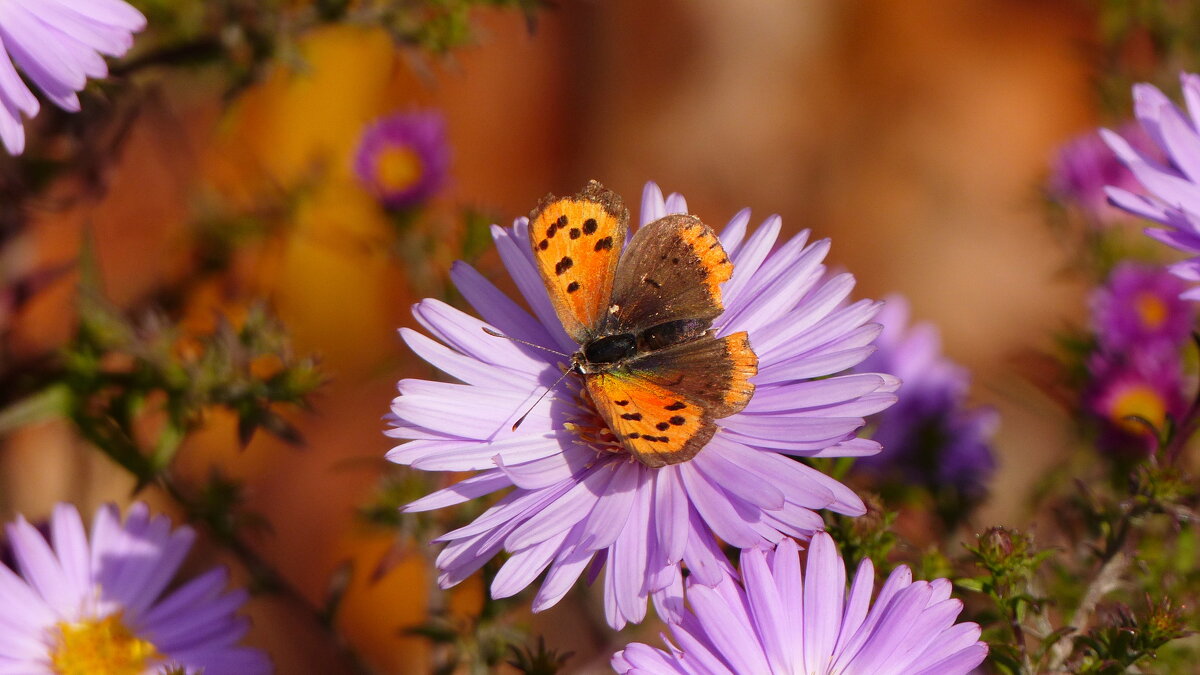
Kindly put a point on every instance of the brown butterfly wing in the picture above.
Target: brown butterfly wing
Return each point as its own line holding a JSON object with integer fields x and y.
{"x": 576, "y": 244}
{"x": 662, "y": 405}
{"x": 671, "y": 270}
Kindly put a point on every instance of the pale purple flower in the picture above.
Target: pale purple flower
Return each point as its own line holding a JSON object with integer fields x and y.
{"x": 1174, "y": 192}
{"x": 779, "y": 622}
{"x": 1139, "y": 309}
{"x": 931, "y": 436}
{"x": 574, "y": 507}
{"x": 58, "y": 44}
{"x": 403, "y": 158}
{"x": 67, "y": 597}
{"x": 1084, "y": 166}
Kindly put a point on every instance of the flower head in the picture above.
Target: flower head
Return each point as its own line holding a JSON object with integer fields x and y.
{"x": 1174, "y": 184}
{"x": 577, "y": 503}
{"x": 74, "y": 607}
{"x": 403, "y": 158}
{"x": 1084, "y": 166}
{"x": 1139, "y": 308}
{"x": 1127, "y": 392}
{"x": 780, "y": 622}
{"x": 58, "y": 44}
{"x": 930, "y": 436}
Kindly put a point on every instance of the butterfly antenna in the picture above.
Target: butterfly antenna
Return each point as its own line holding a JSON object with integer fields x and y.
{"x": 556, "y": 382}
{"x": 493, "y": 333}
{"x": 527, "y": 343}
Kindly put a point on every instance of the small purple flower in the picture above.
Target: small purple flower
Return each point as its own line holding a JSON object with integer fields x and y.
{"x": 1129, "y": 391}
{"x": 1085, "y": 165}
{"x": 71, "y": 606}
{"x": 777, "y": 623}
{"x": 930, "y": 437}
{"x": 58, "y": 44}
{"x": 404, "y": 158}
{"x": 575, "y": 506}
{"x": 1139, "y": 308}
{"x": 1174, "y": 192}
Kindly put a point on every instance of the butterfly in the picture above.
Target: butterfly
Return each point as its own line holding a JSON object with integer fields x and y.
{"x": 642, "y": 315}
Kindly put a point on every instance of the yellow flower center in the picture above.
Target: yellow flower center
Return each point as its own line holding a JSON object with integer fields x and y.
{"x": 1151, "y": 310}
{"x": 1138, "y": 401}
{"x": 398, "y": 168}
{"x": 100, "y": 646}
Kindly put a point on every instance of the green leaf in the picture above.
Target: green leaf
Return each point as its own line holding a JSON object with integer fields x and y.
{"x": 50, "y": 403}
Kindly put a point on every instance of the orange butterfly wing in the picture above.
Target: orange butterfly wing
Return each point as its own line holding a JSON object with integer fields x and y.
{"x": 576, "y": 243}
{"x": 662, "y": 406}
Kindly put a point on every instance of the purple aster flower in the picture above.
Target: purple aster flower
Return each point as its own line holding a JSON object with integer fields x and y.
{"x": 575, "y": 504}
{"x": 1174, "y": 195}
{"x": 403, "y": 158}
{"x": 77, "y": 607}
{"x": 777, "y": 622}
{"x": 58, "y": 44}
{"x": 1129, "y": 391}
{"x": 1085, "y": 165}
{"x": 1139, "y": 308}
{"x": 930, "y": 437}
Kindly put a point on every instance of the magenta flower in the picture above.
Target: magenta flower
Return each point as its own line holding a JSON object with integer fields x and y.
{"x": 1139, "y": 309}
{"x": 1084, "y": 166}
{"x": 58, "y": 44}
{"x": 931, "y": 436}
{"x": 1174, "y": 195}
{"x": 780, "y": 622}
{"x": 1127, "y": 392}
{"x": 72, "y": 606}
{"x": 404, "y": 158}
{"x": 575, "y": 505}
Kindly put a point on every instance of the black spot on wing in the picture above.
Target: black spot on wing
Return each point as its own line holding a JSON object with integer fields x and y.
{"x": 635, "y": 417}
{"x": 563, "y": 265}
{"x": 573, "y": 286}
{"x": 574, "y": 233}
{"x": 662, "y": 426}
{"x": 677, "y": 420}
{"x": 604, "y": 244}
{"x": 589, "y": 226}
{"x": 677, "y": 405}
{"x": 621, "y": 403}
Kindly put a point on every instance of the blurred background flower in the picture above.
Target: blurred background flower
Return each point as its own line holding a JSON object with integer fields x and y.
{"x": 403, "y": 158}
{"x": 932, "y": 438}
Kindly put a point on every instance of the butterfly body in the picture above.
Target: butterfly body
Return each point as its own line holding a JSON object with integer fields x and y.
{"x": 642, "y": 314}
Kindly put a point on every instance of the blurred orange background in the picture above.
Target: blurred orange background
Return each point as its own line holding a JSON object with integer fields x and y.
{"x": 913, "y": 134}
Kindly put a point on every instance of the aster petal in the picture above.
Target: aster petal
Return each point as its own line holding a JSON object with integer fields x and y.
{"x": 71, "y": 546}
{"x": 858, "y": 602}
{"x": 716, "y": 509}
{"x": 653, "y": 205}
{"x": 768, "y": 612}
{"x": 749, "y": 257}
{"x": 1180, "y": 140}
{"x": 40, "y": 567}
{"x": 562, "y": 575}
{"x": 465, "y": 490}
{"x": 519, "y": 264}
{"x": 627, "y": 561}
{"x": 523, "y": 566}
{"x": 610, "y": 515}
{"x": 496, "y": 308}
{"x": 564, "y": 512}
{"x": 826, "y": 584}
{"x": 671, "y": 514}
